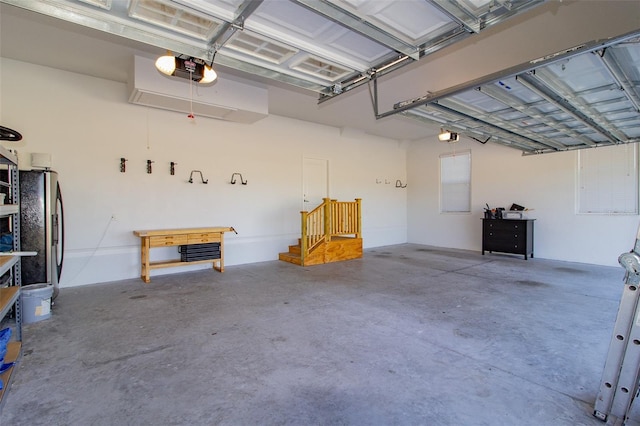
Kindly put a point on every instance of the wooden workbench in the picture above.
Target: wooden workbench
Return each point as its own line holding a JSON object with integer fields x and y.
{"x": 176, "y": 237}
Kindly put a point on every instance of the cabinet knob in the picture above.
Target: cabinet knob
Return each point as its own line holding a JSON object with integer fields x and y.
{"x": 516, "y": 235}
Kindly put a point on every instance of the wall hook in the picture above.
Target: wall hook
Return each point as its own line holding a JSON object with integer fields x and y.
{"x": 201, "y": 177}
{"x": 172, "y": 168}
{"x": 400, "y": 185}
{"x": 233, "y": 179}
{"x": 123, "y": 164}
{"x": 149, "y": 162}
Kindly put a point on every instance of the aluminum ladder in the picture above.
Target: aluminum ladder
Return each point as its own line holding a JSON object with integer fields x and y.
{"x": 619, "y": 384}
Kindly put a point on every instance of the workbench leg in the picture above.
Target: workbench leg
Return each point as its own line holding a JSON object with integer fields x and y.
{"x": 217, "y": 265}
{"x": 221, "y": 265}
{"x": 144, "y": 259}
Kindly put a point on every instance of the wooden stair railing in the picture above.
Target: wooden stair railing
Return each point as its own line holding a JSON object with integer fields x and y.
{"x": 330, "y": 219}
{"x": 313, "y": 232}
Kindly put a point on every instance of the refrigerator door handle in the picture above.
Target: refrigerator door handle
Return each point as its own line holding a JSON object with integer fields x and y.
{"x": 54, "y": 228}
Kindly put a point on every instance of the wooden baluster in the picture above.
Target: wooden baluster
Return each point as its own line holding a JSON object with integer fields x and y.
{"x": 335, "y": 217}
{"x": 354, "y": 218}
{"x": 345, "y": 218}
{"x": 359, "y": 218}
{"x": 351, "y": 219}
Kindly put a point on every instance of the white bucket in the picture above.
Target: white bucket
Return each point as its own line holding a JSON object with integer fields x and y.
{"x": 36, "y": 302}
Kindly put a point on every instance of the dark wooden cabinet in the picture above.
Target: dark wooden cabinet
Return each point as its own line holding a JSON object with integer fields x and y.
{"x": 508, "y": 236}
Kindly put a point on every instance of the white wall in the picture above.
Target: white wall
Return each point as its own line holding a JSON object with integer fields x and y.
{"x": 502, "y": 176}
{"x": 87, "y": 125}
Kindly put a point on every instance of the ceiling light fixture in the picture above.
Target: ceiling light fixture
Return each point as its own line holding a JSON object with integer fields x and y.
{"x": 208, "y": 75}
{"x": 448, "y": 136}
{"x": 166, "y": 64}
{"x": 191, "y": 68}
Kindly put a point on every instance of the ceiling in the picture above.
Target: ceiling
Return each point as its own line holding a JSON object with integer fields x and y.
{"x": 582, "y": 98}
{"x": 380, "y": 67}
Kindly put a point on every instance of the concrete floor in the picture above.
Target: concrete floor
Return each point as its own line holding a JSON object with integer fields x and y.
{"x": 409, "y": 334}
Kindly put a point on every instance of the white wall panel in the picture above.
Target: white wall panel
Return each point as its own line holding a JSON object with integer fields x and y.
{"x": 87, "y": 125}
{"x": 502, "y": 176}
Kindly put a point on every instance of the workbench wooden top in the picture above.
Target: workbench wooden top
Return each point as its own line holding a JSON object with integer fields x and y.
{"x": 180, "y": 231}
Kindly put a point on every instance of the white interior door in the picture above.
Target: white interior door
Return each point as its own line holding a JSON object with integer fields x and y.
{"x": 315, "y": 182}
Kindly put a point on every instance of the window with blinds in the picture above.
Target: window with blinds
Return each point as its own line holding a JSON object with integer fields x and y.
{"x": 608, "y": 180}
{"x": 455, "y": 182}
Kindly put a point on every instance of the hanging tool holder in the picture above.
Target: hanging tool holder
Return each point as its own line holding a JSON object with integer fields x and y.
{"x": 619, "y": 384}
{"x": 233, "y": 179}
{"x": 202, "y": 179}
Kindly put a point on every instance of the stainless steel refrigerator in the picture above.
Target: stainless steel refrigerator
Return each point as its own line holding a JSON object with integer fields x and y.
{"x": 41, "y": 227}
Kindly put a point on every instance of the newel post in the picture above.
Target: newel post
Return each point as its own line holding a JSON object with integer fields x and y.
{"x": 327, "y": 219}
{"x": 304, "y": 241}
{"x": 359, "y": 208}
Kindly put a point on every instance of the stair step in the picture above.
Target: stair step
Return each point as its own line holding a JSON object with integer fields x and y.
{"x": 295, "y": 249}
{"x": 291, "y": 258}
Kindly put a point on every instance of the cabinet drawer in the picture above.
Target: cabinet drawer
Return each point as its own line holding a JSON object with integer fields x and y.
{"x": 508, "y": 236}
{"x": 207, "y": 237}
{"x": 167, "y": 240}
{"x": 505, "y": 246}
{"x": 505, "y": 225}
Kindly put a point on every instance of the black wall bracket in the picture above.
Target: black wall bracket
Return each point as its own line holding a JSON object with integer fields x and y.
{"x": 201, "y": 177}
{"x": 233, "y": 179}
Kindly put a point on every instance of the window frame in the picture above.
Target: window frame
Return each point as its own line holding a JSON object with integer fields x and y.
{"x": 444, "y": 209}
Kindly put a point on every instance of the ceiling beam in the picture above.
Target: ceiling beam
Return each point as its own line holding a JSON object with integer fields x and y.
{"x": 470, "y": 22}
{"x": 390, "y": 65}
{"x": 256, "y": 70}
{"x": 531, "y": 112}
{"x": 624, "y": 82}
{"x": 498, "y": 124}
{"x": 361, "y": 26}
{"x": 100, "y": 21}
{"x": 467, "y": 24}
{"x": 229, "y": 28}
{"x": 417, "y": 115}
{"x": 541, "y": 86}
{"x": 509, "y": 72}
{"x": 492, "y": 14}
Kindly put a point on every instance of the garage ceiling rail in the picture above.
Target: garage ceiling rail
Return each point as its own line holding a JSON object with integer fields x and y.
{"x": 327, "y": 46}
{"x": 585, "y": 97}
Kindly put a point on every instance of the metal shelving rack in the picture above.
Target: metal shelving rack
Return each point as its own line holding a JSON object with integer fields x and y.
{"x": 10, "y": 294}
